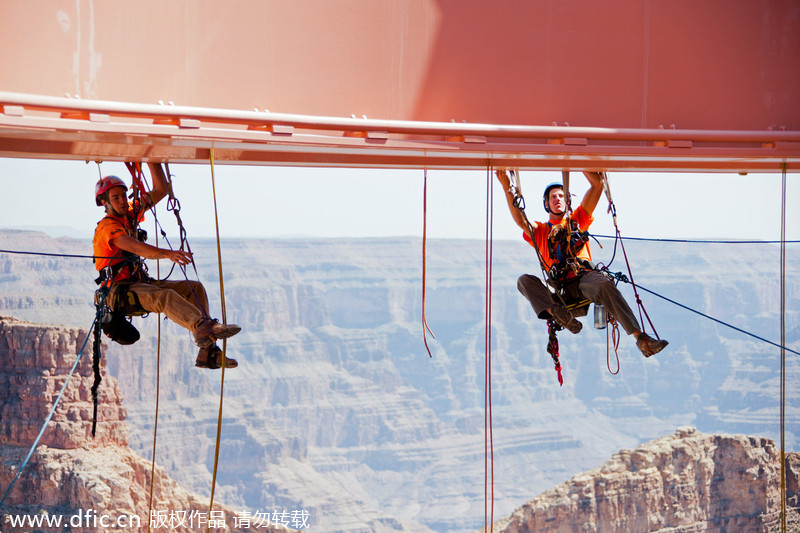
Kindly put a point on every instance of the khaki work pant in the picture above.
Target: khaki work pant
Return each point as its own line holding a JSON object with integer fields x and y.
{"x": 183, "y": 302}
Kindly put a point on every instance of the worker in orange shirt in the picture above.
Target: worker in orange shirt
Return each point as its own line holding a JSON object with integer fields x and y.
{"x": 565, "y": 255}
{"x": 119, "y": 249}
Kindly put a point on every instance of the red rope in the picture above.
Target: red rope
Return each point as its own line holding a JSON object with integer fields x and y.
{"x": 138, "y": 186}
{"x": 488, "y": 486}
{"x": 613, "y": 338}
{"x": 425, "y": 328}
{"x": 635, "y": 291}
{"x": 552, "y": 348}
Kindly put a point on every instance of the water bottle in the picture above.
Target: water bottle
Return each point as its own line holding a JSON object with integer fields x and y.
{"x": 599, "y": 316}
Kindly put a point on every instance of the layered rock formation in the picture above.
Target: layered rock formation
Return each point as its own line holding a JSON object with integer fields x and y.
{"x": 687, "y": 482}
{"x": 337, "y": 408}
{"x": 90, "y": 484}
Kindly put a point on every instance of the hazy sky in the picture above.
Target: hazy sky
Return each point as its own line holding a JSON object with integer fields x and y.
{"x": 57, "y": 197}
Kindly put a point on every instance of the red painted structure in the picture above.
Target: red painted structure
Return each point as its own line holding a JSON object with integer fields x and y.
{"x": 677, "y": 85}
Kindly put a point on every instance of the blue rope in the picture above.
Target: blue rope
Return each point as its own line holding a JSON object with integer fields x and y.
{"x": 697, "y": 241}
{"x": 717, "y": 320}
{"x": 53, "y": 410}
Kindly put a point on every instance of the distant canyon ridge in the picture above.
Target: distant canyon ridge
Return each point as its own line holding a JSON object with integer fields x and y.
{"x": 337, "y": 408}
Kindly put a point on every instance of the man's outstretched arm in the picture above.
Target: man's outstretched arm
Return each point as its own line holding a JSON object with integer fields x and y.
{"x": 592, "y": 196}
{"x": 516, "y": 213}
{"x": 142, "y": 249}
{"x": 160, "y": 187}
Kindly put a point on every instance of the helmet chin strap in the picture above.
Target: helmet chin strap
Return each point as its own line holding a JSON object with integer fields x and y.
{"x": 113, "y": 212}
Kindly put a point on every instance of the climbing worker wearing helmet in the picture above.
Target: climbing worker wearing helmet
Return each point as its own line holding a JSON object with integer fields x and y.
{"x": 119, "y": 248}
{"x": 565, "y": 256}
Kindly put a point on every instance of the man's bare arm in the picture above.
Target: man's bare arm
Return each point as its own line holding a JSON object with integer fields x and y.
{"x": 516, "y": 213}
{"x": 142, "y": 249}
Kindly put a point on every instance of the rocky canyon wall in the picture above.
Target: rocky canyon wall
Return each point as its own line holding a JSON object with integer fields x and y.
{"x": 89, "y": 483}
{"x": 336, "y": 406}
{"x": 686, "y": 482}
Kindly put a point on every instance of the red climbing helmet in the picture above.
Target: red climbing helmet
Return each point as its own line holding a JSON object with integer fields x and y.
{"x": 106, "y": 183}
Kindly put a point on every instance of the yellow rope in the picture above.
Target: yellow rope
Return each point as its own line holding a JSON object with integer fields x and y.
{"x": 155, "y": 423}
{"x": 224, "y": 341}
{"x": 158, "y": 388}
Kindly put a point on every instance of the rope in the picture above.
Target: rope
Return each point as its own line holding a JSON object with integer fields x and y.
{"x": 224, "y": 341}
{"x": 552, "y": 348}
{"x": 519, "y": 204}
{"x": 613, "y": 210}
{"x": 99, "y": 171}
{"x": 718, "y": 321}
{"x": 783, "y": 350}
{"x": 173, "y": 204}
{"x": 96, "y": 354}
{"x": 636, "y": 292}
{"x": 612, "y": 339}
{"x": 552, "y": 327}
{"x": 94, "y": 326}
{"x": 46, "y": 254}
{"x": 158, "y": 390}
{"x": 488, "y": 480}
{"x": 425, "y": 328}
{"x": 568, "y": 209}
{"x": 596, "y": 236}
{"x": 692, "y": 241}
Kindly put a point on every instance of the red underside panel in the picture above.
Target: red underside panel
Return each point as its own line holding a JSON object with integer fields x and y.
{"x": 678, "y": 85}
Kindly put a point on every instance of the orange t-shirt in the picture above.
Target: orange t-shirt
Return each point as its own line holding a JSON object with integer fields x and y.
{"x": 109, "y": 228}
{"x": 542, "y": 232}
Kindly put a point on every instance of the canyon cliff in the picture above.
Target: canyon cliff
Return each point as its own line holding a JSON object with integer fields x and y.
{"x": 86, "y": 482}
{"x": 686, "y": 482}
{"x": 337, "y": 408}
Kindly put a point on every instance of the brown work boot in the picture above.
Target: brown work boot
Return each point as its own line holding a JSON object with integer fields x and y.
{"x": 211, "y": 358}
{"x": 650, "y": 346}
{"x": 209, "y": 330}
{"x": 564, "y": 318}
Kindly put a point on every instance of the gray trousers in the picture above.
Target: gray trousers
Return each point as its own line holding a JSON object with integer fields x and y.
{"x": 593, "y": 285}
